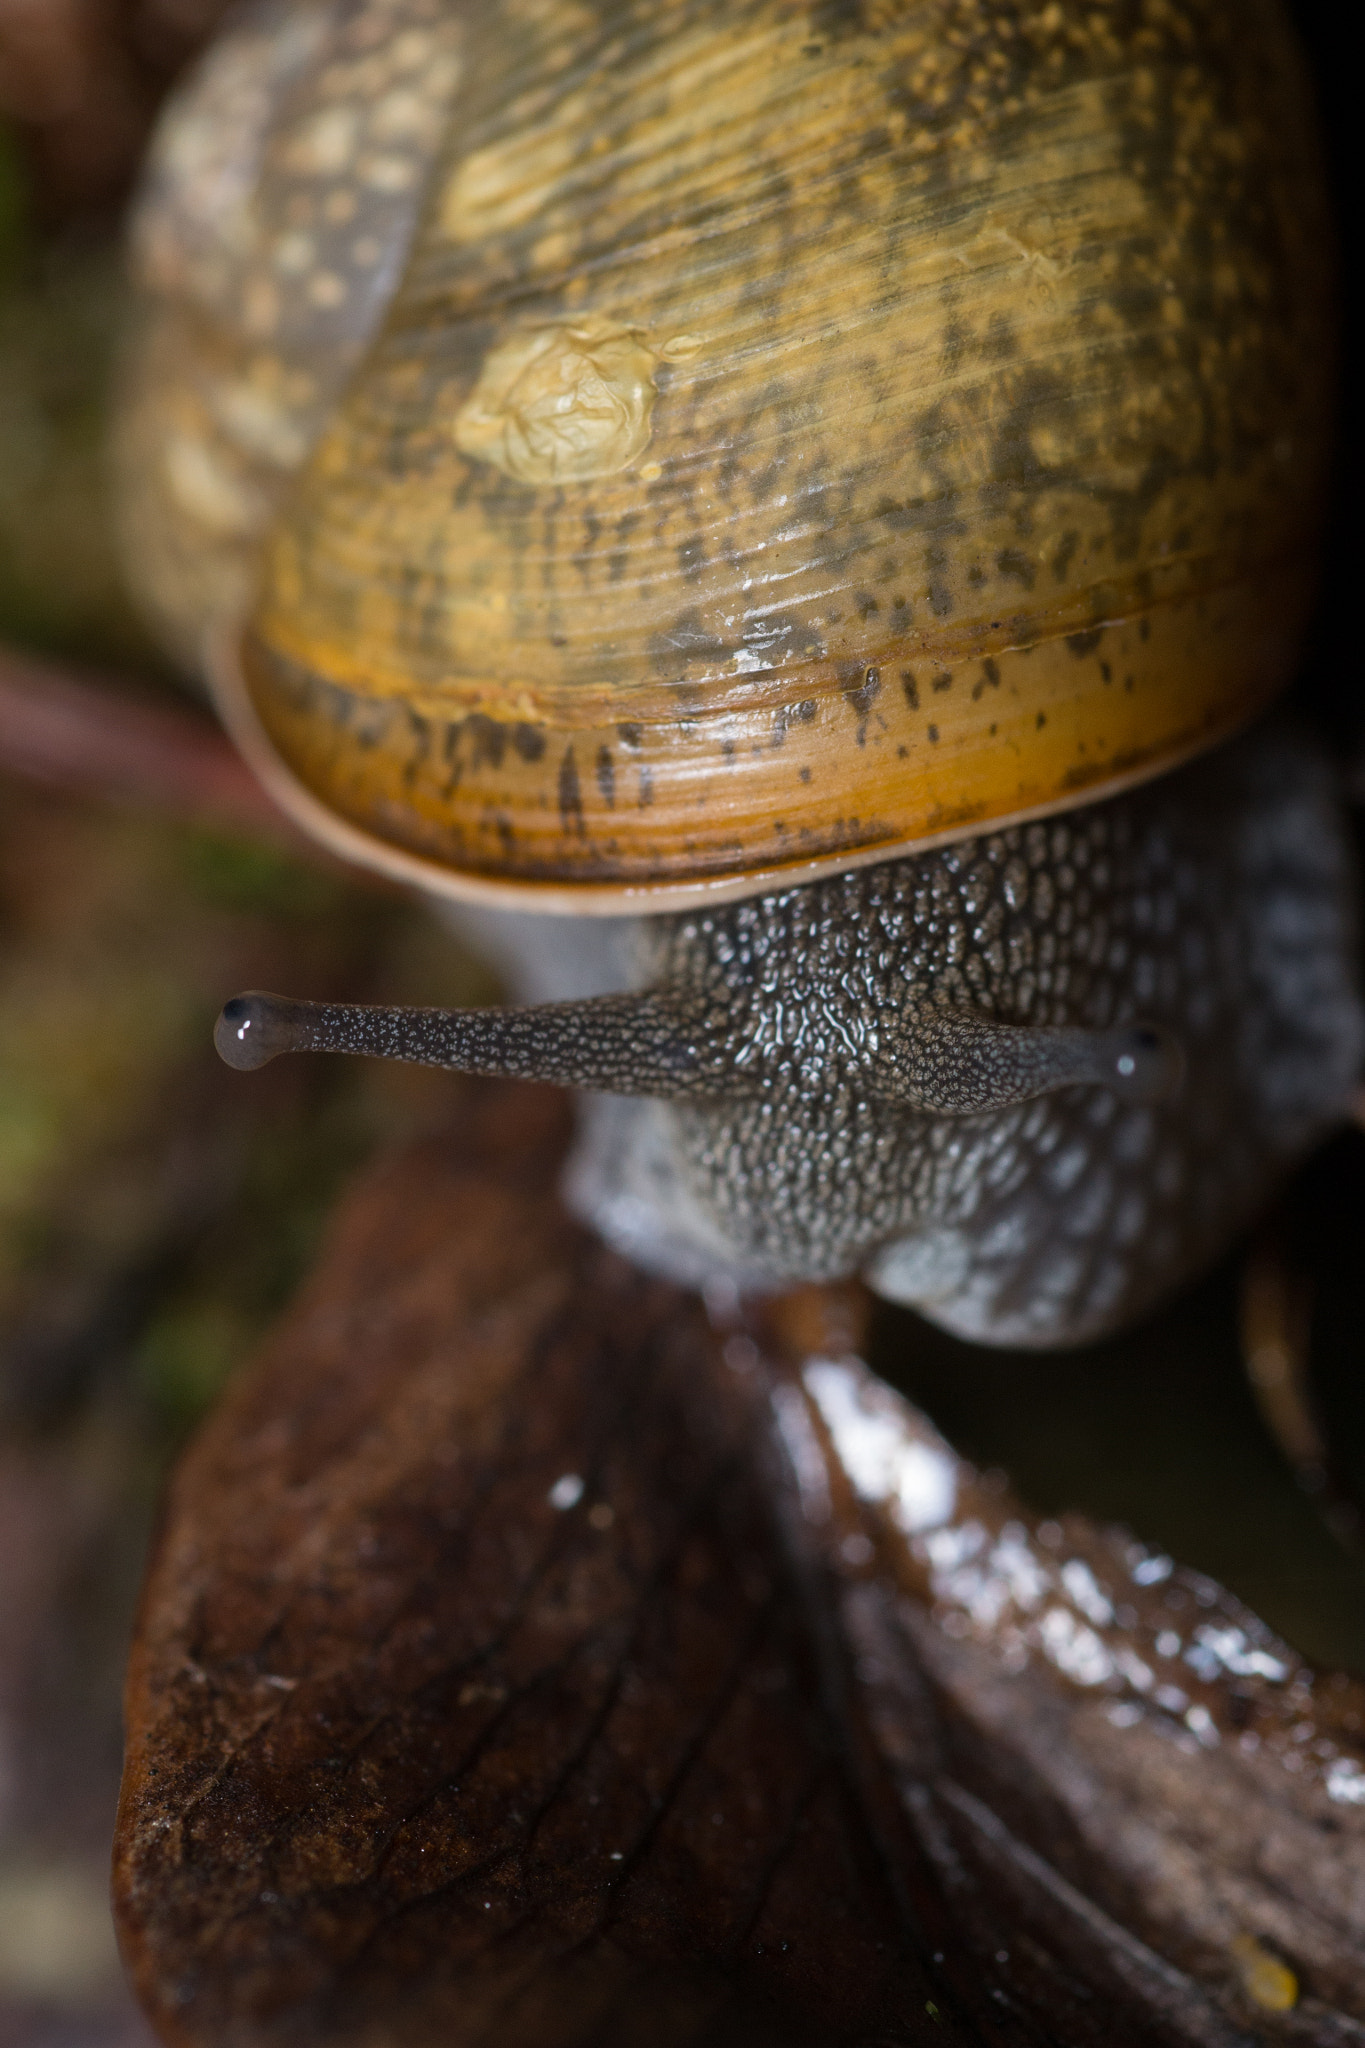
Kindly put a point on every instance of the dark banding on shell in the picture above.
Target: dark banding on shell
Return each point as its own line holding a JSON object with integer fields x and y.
{"x": 899, "y": 431}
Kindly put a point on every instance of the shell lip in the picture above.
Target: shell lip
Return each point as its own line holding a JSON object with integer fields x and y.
{"x": 227, "y": 687}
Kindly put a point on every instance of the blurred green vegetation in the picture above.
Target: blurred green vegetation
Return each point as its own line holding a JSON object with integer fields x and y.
{"x": 15, "y": 247}
{"x": 62, "y": 314}
{"x": 153, "y": 1212}
{"x": 155, "y": 1209}
{"x": 247, "y": 875}
{"x": 183, "y": 1358}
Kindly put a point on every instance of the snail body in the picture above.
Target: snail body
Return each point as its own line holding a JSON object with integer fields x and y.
{"x": 791, "y": 456}
{"x": 931, "y": 1071}
{"x": 1216, "y": 905}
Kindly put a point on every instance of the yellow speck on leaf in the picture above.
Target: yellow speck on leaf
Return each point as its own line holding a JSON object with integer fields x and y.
{"x": 1267, "y": 1981}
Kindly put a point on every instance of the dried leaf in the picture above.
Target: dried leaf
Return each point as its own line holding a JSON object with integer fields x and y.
{"x": 1130, "y": 1789}
{"x": 523, "y": 1662}
{"x": 427, "y": 1744}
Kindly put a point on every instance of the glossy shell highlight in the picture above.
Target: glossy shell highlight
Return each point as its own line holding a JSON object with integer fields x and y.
{"x": 802, "y": 435}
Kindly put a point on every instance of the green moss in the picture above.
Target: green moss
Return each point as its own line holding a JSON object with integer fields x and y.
{"x": 31, "y": 1131}
{"x": 16, "y": 248}
{"x": 62, "y": 313}
{"x": 183, "y": 1358}
{"x": 81, "y": 1056}
{"x": 246, "y": 875}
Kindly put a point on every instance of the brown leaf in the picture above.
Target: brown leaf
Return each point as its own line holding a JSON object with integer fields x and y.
{"x": 1129, "y": 1787}
{"x": 521, "y": 1662}
{"x": 417, "y": 1754}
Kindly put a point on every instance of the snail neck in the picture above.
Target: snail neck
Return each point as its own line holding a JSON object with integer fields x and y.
{"x": 946, "y": 1062}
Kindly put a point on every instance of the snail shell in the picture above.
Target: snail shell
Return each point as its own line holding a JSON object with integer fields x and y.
{"x": 277, "y": 207}
{"x": 774, "y": 442}
{"x": 778, "y": 438}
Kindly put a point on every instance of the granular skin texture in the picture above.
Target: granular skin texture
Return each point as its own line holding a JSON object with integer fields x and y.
{"x": 1216, "y": 904}
{"x": 1026, "y": 1084}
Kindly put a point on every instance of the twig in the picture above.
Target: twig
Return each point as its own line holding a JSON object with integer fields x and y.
{"x": 1276, "y": 1329}
{"x": 87, "y": 734}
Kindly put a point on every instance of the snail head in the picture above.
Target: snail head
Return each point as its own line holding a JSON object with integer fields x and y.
{"x": 937, "y": 1060}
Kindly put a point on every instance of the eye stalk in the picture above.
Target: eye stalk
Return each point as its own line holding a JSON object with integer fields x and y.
{"x": 620, "y": 1045}
{"x": 954, "y": 1062}
{"x": 1148, "y": 1065}
{"x": 943, "y": 1062}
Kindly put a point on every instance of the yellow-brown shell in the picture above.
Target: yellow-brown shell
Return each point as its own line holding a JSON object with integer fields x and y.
{"x": 803, "y": 433}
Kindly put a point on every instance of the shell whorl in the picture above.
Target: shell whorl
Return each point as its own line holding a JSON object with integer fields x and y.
{"x": 793, "y": 435}
{"x": 278, "y": 204}
{"x": 794, "y": 440}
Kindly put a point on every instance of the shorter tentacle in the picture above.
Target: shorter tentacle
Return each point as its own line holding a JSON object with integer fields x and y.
{"x": 954, "y": 1062}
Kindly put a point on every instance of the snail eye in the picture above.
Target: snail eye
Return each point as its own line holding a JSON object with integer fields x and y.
{"x": 955, "y": 1062}
{"x": 1148, "y": 1065}
{"x": 252, "y": 1030}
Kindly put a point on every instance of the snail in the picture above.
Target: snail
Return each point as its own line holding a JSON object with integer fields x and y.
{"x": 795, "y": 518}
